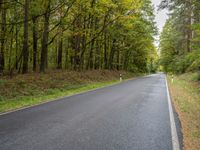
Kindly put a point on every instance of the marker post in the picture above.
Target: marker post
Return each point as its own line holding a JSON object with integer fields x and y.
{"x": 172, "y": 78}
{"x": 120, "y": 77}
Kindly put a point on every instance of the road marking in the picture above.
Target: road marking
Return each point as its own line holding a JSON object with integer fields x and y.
{"x": 175, "y": 141}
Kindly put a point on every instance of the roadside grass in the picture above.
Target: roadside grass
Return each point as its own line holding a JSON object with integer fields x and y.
{"x": 31, "y": 89}
{"x": 49, "y": 95}
{"x": 185, "y": 91}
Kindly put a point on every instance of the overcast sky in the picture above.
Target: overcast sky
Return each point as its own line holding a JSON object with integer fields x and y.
{"x": 161, "y": 16}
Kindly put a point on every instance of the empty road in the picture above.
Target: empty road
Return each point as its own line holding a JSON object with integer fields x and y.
{"x": 133, "y": 115}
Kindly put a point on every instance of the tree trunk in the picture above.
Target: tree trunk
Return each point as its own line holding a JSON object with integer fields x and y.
{"x": 112, "y": 53}
{"x": 2, "y": 35}
{"x": 83, "y": 41}
{"x": 90, "y": 63}
{"x": 25, "y": 44}
{"x": 126, "y": 60}
{"x": 43, "y": 64}
{"x": 67, "y": 55}
{"x": 60, "y": 50}
{"x": 189, "y": 24}
{"x": 35, "y": 40}
{"x": 16, "y": 47}
{"x": 118, "y": 59}
{"x": 105, "y": 51}
{"x": 76, "y": 44}
{"x": 10, "y": 51}
{"x": 97, "y": 53}
{"x": 97, "y": 47}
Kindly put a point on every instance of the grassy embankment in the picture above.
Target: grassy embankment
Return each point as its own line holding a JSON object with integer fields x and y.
{"x": 185, "y": 91}
{"x": 26, "y": 90}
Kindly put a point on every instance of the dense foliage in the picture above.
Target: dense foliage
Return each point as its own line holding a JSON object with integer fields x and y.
{"x": 180, "y": 39}
{"x": 76, "y": 34}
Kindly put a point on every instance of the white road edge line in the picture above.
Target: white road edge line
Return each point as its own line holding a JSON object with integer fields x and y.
{"x": 175, "y": 141}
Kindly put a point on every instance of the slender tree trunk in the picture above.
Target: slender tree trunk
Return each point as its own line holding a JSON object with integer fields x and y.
{"x": 105, "y": 51}
{"x": 20, "y": 65}
{"x": 96, "y": 55}
{"x": 16, "y": 40}
{"x": 189, "y": 24}
{"x": 90, "y": 63}
{"x": 35, "y": 40}
{"x": 16, "y": 47}
{"x": 112, "y": 53}
{"x": 101, "y": 51}
{"x": 60, "y": 51}
{"x": 43, "y": 64}
{"x": 25, "y": 44}
{"x": 77, "y": 43}
{"x": 67, "y": 55}
{"x": 126, "y": 60}
{"x": 2, "y": 35}
{"x": 10, "y": 52}
{"x": 83, "y": 41}
{"x": 118, "y": 59}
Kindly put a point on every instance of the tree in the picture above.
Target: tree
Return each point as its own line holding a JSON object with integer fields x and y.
{"x": 26, "y": 37}
{"x": 3, "y": 34}
{"x": 45, "y": 36}
{"x": 180, "y": 39}
{"x": 82, "y": 34}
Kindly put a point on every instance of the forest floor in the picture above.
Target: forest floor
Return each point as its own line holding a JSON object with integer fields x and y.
{"x": 185, "y": 91}
{"x": 34, "y": 88}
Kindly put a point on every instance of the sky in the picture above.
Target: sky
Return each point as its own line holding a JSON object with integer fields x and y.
{"x": 161, "y": 17}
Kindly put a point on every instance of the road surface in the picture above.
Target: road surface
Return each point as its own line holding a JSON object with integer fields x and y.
{"x": 133, "y": 115}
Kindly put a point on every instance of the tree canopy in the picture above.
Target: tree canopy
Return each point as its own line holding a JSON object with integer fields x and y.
{"x": 180, "y": 38}
{"x": 77, "y": 35}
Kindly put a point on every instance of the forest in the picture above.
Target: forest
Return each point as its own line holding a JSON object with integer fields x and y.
{"x": 50, "y": 49}
{"x": 179, "y": 40}
{"x": 40, "y": 35}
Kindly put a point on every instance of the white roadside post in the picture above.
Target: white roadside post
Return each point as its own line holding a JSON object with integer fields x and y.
{"x": 172, "y": 78}
{"x": 120, "y": 77}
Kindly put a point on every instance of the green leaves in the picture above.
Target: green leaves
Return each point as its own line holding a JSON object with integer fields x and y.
{"x": 83, "y": 34}
{"x": 179, "y": 41}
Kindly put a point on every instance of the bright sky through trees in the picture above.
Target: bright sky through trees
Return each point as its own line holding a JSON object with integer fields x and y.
{"x": 161, "y": 15}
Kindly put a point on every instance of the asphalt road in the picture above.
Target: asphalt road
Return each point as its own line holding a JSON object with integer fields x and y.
{"x": 133, "y": 115}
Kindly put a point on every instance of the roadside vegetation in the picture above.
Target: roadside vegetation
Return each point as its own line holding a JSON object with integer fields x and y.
{"x": 180, "y": 38}
{"x": 30, "y": 89}
{"x": 185, "y": 91}
{"x": 180, "y": 57}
